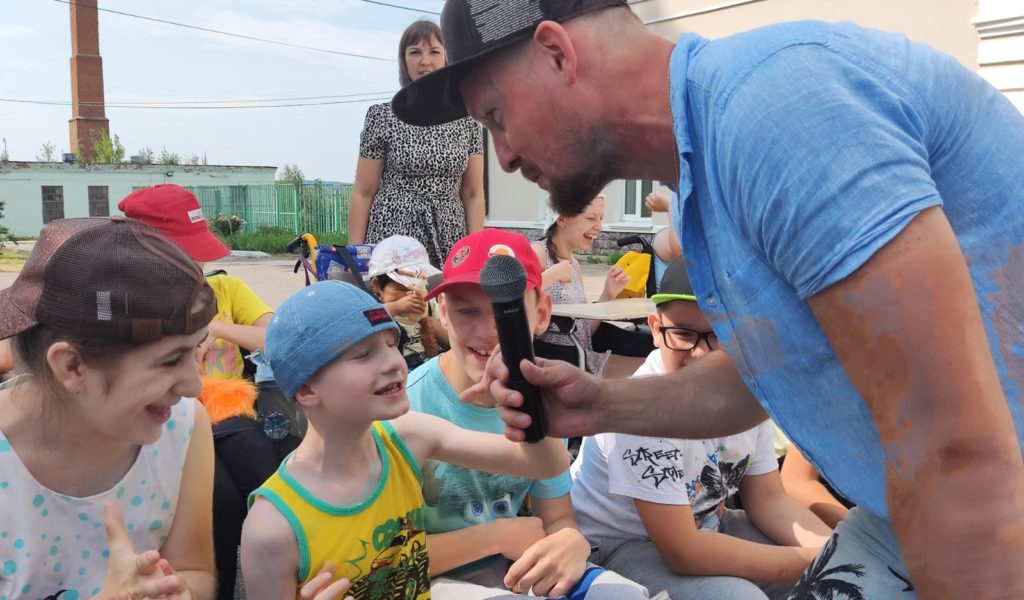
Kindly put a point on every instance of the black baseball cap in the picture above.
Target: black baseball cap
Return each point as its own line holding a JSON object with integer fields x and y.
{"x": 473, "y": 30}
{"x": 675, "y": 284}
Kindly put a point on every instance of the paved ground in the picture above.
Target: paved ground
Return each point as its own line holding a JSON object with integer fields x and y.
{"x": 273, "y": 280}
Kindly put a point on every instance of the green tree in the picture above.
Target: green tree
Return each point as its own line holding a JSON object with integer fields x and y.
{"x": 107, "y": 150}
{"x": 4, "y": 232}
{"x": 145, "y": 155}
{"x": 291, "y": 174}
{"x": 48, "y": 153}
{"x": 168, "y": 158}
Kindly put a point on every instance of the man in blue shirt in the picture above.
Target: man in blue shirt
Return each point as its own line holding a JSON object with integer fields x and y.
{"x": 852, "y": 209}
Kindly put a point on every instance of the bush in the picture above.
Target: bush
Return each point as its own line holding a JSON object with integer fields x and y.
{"x": 226, "y": 225}
{"x": 613, "y": 258}
{"x": 274, "y": 240}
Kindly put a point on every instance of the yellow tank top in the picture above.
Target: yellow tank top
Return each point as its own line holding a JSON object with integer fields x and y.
{"x": 378, "y": 544}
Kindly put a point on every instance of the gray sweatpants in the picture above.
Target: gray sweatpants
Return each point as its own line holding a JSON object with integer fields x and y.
{"x": 486, "y": 583}
{"x": 639, "y": 560}
{"x": 861, "y": 560}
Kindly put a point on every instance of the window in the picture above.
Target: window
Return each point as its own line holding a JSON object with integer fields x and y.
{"x": 99, "y": 201}
{"x": 53, "y": 203}
{"x": 634, "y": 207}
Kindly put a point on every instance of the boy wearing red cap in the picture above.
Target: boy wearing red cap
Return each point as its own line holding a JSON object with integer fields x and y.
{"x": 475, "y": 537}
{"x": 242, "y": 317}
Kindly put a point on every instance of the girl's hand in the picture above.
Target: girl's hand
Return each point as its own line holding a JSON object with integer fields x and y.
{"x": 615, "y": 282}
{"x": 136, "y": 576}
{"x": 560, "y": 272}
{"x": 322, "y": 587}
{"x": 412, "y": 306}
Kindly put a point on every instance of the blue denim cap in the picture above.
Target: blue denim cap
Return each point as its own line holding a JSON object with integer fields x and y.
{"x": 316, "y": 325}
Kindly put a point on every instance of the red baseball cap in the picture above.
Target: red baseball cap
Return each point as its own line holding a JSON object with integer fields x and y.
{"x": 175, "y": 212}
{"x": 470, "y": 254}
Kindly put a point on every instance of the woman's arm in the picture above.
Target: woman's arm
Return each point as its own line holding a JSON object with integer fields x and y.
{"x": 472, "y": 193}
{"x": 687, "y": 550}
{"x": 800, "y": 480}
{"x": 368, "y": 174}
{"x": 189, "y": 545}
{"x": 428, "y": 436}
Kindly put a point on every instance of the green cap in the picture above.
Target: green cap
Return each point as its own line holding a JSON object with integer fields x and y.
{"x": 675, "y": 284}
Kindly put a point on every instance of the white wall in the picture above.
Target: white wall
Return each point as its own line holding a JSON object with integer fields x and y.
{"x": 21, "y": 185}
{"x": 1000, "y": 23}
{"x": 944, "y": 24}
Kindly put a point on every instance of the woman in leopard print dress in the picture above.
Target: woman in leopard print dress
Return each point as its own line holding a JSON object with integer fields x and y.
{"x": 423, "y": 182}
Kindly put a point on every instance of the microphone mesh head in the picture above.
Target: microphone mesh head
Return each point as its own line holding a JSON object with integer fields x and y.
{"x": 503, "y": 278}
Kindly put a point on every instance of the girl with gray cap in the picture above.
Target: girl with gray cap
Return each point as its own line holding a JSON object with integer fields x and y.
{"x": 106, "y": 460}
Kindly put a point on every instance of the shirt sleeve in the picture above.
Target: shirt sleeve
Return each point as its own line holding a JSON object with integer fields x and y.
{"x": 373, "y": 141}
{"x": 646, "y": 468}
{"x": 763, "y": 459}
{"x": 552, "y": 488}
{"x": 246, "y": 306}
{"x": 476, "y": 137}
{"x": 821, "y": 162}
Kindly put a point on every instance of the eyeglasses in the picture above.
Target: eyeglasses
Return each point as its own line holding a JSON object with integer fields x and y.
{"x": 683, "y": 339}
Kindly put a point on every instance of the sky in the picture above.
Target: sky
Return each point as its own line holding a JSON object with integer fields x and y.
{"x": 151, "y": 62}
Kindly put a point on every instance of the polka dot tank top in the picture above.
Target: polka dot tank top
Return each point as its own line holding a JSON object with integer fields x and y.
{"x": 55, "y": 546}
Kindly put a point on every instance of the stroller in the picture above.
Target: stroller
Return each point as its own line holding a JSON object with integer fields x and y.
{"x": 350, "y": 264}
{"x": 325, "y": 261}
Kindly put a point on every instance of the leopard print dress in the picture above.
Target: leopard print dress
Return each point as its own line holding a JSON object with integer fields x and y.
{"x": 419, "y": 186}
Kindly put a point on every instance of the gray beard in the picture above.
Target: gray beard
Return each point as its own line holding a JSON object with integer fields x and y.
{"x": 570, "y": 196}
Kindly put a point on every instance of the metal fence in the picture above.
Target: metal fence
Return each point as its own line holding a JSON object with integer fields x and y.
{"x": 316, "y": 207}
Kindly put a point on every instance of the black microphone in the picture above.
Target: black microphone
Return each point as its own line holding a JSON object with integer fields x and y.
{"x": 503, "y": 279}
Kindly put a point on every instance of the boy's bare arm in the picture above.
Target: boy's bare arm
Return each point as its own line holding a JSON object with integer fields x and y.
{"x": 428, "y": 436}
{"x": 554, "y": 563}
{"x": 907, "y": 329}
{"x": 778, "y": 515}
{"x": 508, "y": 537}
{"x": 270, "y": 554}
{"x": 687, "y": 550}
{"x": 250, "y": 337}
{"x": 800, "y": 480}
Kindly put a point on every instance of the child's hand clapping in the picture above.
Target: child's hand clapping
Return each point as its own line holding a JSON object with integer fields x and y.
{"x": 136, "y": 576}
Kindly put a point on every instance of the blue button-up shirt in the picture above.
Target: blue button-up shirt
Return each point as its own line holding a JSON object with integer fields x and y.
{"x": 804, "y": 148}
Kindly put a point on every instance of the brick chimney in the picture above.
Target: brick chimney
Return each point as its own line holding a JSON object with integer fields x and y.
{"x": 88, "y": 122}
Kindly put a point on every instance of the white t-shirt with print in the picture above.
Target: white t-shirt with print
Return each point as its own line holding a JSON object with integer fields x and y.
{"x": 615, "y": 468}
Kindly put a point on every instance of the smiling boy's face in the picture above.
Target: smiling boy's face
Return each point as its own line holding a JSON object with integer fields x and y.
{"x": 466, "y": 314}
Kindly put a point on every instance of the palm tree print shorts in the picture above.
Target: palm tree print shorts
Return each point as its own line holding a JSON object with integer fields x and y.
{"x": 861, "y": 561}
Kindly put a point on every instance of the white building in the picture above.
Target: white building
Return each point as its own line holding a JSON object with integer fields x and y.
{"x": 952, "y": 26}
{"x": 37, "y": 192}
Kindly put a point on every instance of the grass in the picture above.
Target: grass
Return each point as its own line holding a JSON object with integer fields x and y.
{"x": 12, "y": 262}
{"x": 274, "y": 240}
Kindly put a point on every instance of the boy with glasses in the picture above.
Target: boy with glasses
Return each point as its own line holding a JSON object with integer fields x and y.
{"x": 656, "y": 507}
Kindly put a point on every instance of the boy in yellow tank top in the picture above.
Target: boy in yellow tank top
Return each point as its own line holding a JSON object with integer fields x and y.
{"x": 342, "y": 516}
